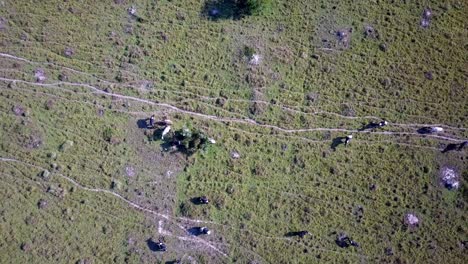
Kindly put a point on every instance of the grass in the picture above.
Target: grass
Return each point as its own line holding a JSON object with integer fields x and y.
{"x": 283, "y": 181}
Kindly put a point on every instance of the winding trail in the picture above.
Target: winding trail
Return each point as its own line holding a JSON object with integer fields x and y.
{"x": 221, "y": 119}
{"x": 132, "y": 204}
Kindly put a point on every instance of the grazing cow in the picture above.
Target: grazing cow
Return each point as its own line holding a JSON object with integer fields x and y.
{"x": 165, "y": 131}
{"x": 344, "y": 241}
{"x": 156, "y": 246}
{"x": 430, "y": 130}
{"x": 373, "y": 125}
{"x": 199, "y": 230}
{"x": 205, "y": 230}
{"x": 383, "y": 123}
{"x": 348, "y": 139}
{"x": 203, "y": 200}
{"x": 160, "y": 246}
{"x": 200, "y": 200}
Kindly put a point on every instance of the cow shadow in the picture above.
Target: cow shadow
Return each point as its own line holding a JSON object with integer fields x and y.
{"x": 336, "y": 142}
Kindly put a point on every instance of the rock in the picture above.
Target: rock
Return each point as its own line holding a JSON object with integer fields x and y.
{"x": 315, "y": 56}
{"x": 49, "y": 104}
{"x": 116, "y": 185}
{"x": 450, "y": 178}
{"x": 57, "y": 191}
{"x": 383, "y": 47}
{"x": 26, "y": 247}
{"x": 385, "y": 82}
{"x": 312, "y": 97}
{"x": 255, "y": 59}
{"x": 411, "y": 220}
{"x": 63, "y": 77}
{"x": 68, "y": 52}
{"x": 130, "y": 171}
{"x": 52, "y": 155}
{"x": 84, "y": 261}
{"x": 42, "y": 204}
{"x": 221, "y": 101}
{"x": 132, "y": 10}
{"x": 45, "y": 174}
{"x": 370, "y": 32}
{"x": 39, "y": 74}
{"x": 427, "y": 13}
{"x": 428, "y": 75}
{"x": 66, "y": 145}
{"x": 388, "y": 251}
{"x": 19, "y": 110}
{"x": 235, "y": 154}
{"x": 425, "y": 23}
{"x": 3, "y": 23}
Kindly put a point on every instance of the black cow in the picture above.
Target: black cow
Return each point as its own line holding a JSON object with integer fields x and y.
{"x": 200, "y": 200}
{"x": 199, "y": 230}
{"x": 156, "y": 246}
{"x": 430, "y": 130}
{"x": 373, "y": 125}
{"x": 344, "y": 241}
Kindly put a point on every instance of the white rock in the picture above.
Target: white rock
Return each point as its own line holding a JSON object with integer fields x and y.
{"x": 411, "y": 219}
{"x": 235, "y": 154}
{"x": 255, "y": 60}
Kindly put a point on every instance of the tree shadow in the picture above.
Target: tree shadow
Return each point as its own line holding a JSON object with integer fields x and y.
{"x": 142, "y": 123}
{"x": 220, "y": 10}
{"x": 336, "y": 142}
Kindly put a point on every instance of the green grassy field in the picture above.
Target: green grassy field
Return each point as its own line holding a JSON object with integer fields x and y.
{"x": 83, "y": 182}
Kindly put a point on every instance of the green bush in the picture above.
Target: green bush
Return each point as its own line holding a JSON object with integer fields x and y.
{"x": 108, "y": 134}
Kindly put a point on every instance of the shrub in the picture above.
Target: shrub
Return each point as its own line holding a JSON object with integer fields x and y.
{"x": 107, "y": 134}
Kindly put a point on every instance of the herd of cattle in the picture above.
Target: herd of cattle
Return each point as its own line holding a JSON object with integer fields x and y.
{"x": 342, "y": 239}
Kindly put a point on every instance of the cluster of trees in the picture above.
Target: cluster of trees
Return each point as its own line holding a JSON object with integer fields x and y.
{"x": 187, "y": 141}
